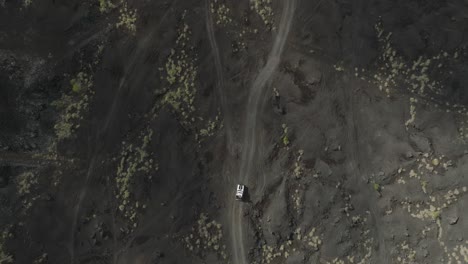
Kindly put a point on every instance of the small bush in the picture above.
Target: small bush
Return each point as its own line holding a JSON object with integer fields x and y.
{"x": 284, "y": 137}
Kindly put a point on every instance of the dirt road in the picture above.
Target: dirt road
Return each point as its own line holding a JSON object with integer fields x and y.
{"x": 250, "y": 147}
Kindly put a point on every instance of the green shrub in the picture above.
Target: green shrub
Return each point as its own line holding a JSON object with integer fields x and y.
{"x": 377, "y": 187}
{"x": 4, "y": 256}
{"x": 285, "y": 137}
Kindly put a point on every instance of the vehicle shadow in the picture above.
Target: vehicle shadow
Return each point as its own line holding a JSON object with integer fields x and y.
{"x": 246, "y": 198}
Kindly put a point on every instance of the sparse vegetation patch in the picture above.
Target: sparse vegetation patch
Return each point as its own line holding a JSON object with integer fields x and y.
{"x": 412, "y": 118}
{"x": 265, "y": 10}
{"x": 221, "y": 13}
{"x": 27, "y": 3}
{"x": 206, "y": 236}
{"x": 210, "y": 129}
{"x": 433, "y": 207}
{"x": 127, "y": 19}
{"x": 134, "y": 161}
{"x": 297, "y": 201}
{"x": 395, "y": 70}
{"x": 298, "y": 164}
{"x": 299, "y": 242}
{"x": 5, "y": 257}
{"x": 105, "y": 5}
{"x": 285, "y": 136}
{"x": 73, "y": 105}
{"x": 26, "y": 183}
{"x": 180, "y": 75}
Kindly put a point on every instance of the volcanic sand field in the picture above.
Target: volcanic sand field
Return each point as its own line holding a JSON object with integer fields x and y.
{"x": 126, "y": 125}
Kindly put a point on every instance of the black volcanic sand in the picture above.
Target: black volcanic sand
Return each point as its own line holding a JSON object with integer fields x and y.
{"x": 357, "y": 183}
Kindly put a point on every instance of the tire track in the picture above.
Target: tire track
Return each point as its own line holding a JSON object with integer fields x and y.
{"x": 254, "y": 103}
{"x": 353, "y": 135}
{"x": 220, "y": 83}
{"x": 136, "y": 57}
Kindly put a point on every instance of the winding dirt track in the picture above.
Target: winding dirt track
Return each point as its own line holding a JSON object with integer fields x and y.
{"x": 250, "y": 147}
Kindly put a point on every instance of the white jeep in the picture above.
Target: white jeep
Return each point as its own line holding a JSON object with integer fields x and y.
{"x": 240, "y": 192}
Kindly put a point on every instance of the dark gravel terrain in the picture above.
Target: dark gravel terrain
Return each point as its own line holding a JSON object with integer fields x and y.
{"x": 125, "y": 127}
